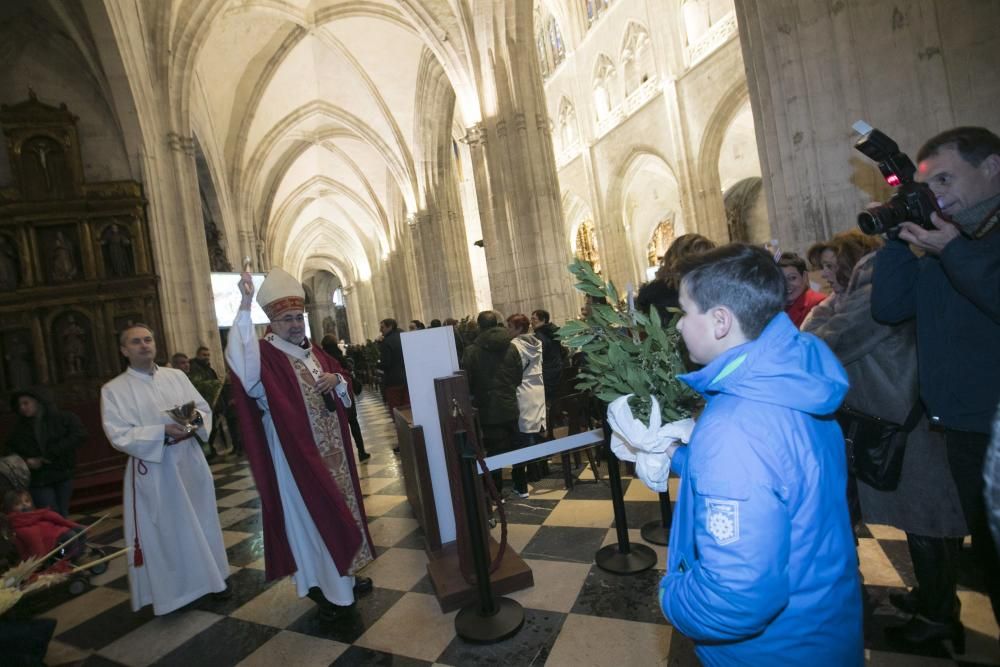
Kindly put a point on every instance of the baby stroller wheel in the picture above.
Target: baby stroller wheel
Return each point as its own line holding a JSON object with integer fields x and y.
{"x": 77, "y": 585}
{"x": 97, "y": 553}
{"x": 100, "y": 568}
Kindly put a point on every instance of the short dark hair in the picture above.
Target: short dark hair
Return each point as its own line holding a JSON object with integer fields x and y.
{"x": 389, "y": 322}
{"x": 543, "y": 315}
{"x": 974, "y": 144}
{"x": 487, "y": 320}
{"x": 418, "y": 324}
{"x": 743, "y": 278}
{"x": 792, "y": 260}
{"x": 435, "y": 323}
{"x": 136, "y": 325}
{"x": 177, "y": 356}
{"x": 200, "y": 348}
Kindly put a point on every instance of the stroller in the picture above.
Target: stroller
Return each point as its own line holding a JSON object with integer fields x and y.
{"x": 45, "y": 534}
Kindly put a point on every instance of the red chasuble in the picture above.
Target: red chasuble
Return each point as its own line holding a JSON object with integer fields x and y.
{"x": 323, "y": 498}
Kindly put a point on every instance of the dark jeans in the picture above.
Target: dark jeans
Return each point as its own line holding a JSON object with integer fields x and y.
{"x": 352, "y": 421}
{"x": 55, "y": 497}
{"x": 966, "y": 453}
{"x": 519, "y": 473}
{"x": 497, "y": 439}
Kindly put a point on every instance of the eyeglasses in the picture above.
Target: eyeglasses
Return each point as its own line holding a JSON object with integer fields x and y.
{"x": 291, "y": 319}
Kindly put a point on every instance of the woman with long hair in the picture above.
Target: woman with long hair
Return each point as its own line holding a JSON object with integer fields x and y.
{"x": 881, "y": 364}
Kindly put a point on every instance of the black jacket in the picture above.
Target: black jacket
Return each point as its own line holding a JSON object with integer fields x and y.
{"x": 552, "y": 358}
{"x": 390, "y": 351}
{"x": 53, "y": 435}
{"x": 493, "y": 367}
{"x": 956, "y": 300}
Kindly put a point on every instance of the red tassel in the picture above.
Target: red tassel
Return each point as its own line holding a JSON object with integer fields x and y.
{"x": 136, "y": 554}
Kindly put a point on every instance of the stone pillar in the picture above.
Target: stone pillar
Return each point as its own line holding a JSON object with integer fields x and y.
{"x": 814, "y": 68}
{"x": 519, "y": 201}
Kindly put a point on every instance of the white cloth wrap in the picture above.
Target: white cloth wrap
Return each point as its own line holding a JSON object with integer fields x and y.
{"x": 650, "y": 447}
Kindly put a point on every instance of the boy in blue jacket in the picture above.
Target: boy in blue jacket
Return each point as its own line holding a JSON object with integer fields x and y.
{"x": 762, "y": 567}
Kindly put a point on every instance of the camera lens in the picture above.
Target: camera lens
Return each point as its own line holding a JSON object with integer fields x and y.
{"x": 869, "y": 222}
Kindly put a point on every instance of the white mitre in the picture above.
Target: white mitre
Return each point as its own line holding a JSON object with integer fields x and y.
{"x": 280, "y": 293}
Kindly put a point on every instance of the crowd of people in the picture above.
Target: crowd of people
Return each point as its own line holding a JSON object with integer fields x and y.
{"x": 762, "y": 560}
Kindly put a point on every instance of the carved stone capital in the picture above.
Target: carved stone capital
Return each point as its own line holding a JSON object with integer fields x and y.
{"x": 180, "y": 143}
{"x": 475, "y": 135}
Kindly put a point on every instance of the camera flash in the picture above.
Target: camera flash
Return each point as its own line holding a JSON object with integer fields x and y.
{"x": 861, "y": 127}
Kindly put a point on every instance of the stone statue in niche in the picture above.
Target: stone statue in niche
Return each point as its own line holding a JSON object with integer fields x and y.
{"x": 18, "y": 361}
{"x": 10, "y": 265}
{"x": 116, "y": 247}
{"x": 61, "y": 259}
{"x": 329, "y": 326}
{"x": 74, "y": 348}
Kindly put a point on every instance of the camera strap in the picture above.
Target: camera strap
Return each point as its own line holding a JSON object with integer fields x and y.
{"x": 988, "y": 224}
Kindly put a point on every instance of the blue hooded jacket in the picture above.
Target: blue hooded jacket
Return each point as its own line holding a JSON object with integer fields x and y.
{"x": 762, "y": 568}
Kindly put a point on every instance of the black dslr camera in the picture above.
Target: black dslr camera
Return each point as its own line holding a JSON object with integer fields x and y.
{"x": 913, "y": 202}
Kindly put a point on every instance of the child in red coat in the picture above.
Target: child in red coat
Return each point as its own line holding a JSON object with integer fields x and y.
{"x": 38, "y": 532}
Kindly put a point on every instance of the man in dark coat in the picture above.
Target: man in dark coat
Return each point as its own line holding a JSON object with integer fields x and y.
{"x": 493, "y": 367}
{"x": 951, "y": 291}
{"x": 391, "y": 364}
{"x": 552, "y": 352}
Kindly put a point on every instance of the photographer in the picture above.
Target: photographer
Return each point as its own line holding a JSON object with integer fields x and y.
{"x": 953, "y": 291}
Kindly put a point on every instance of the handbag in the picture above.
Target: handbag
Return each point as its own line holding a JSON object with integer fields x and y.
{"x": 875, "y": 446}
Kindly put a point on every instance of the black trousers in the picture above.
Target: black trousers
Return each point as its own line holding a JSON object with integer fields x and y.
{"x": 966, "y": 454}
{"x": 935, "y": 567}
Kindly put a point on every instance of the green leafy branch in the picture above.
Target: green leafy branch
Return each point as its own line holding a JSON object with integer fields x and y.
{"x": 627, "y": 351}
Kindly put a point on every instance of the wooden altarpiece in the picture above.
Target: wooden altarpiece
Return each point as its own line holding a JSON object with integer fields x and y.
{"x": 75, "y": 267}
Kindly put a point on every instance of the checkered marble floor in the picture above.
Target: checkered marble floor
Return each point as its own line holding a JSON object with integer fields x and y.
{"x": 576, "y": 614}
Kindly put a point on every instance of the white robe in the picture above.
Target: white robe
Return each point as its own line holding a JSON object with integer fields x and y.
{"x": 315, "y": 566}
{"x": 179, "y": 533}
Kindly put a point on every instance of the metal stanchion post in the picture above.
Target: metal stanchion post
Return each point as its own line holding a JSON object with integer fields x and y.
{"x": 624, "y": 557}
{"x": 491, "y": 619}
{"x": 657, "y": 531}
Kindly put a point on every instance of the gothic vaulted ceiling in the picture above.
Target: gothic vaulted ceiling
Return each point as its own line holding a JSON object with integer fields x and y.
{"x": 306, "y": 111}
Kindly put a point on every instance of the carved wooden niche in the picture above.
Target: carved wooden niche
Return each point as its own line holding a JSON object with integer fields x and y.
{"x": 18, "y": 359}
{"x": 117, "y": 249}
{"x": 73, "y": 344}
{"x": 44, "y": 149}
{"x": 59, "y": 253}
{"x": 10, "y": 263}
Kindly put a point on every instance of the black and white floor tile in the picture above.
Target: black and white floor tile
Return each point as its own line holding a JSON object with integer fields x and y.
{"x": 576, "y": 614}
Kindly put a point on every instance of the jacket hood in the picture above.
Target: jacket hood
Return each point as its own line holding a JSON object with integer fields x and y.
{"x": 40, "y": 394}
{"x": 494, "y": 340}
{"x": 529, "y": 345}
{"x": 782, "y": 367}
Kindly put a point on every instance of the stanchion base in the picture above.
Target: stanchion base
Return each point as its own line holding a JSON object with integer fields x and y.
{"x": 655, "y": 532}
{"x": 640, "y": 558}
{"x": 473, "y": 627}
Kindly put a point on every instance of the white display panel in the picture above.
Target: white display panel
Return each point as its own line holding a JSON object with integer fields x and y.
{"x": 430, "y": 354}
{"x": 227, "y": 297}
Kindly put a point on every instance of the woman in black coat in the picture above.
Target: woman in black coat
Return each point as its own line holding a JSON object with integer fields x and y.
{"x": 47, "y": 439}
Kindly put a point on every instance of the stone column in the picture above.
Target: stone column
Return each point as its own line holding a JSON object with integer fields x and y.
{"x": 814, "y": 68}
{"x": 519, "y": 199}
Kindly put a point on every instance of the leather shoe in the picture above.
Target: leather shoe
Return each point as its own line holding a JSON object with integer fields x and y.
{"x": 362, "y": 586}
{"x": 335, "y": 613}
{"x": 906, "y": 602}
{"x": 920, "y": 630}
{"x": 363, "y": 456}
{"x": 909, "y": 602}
